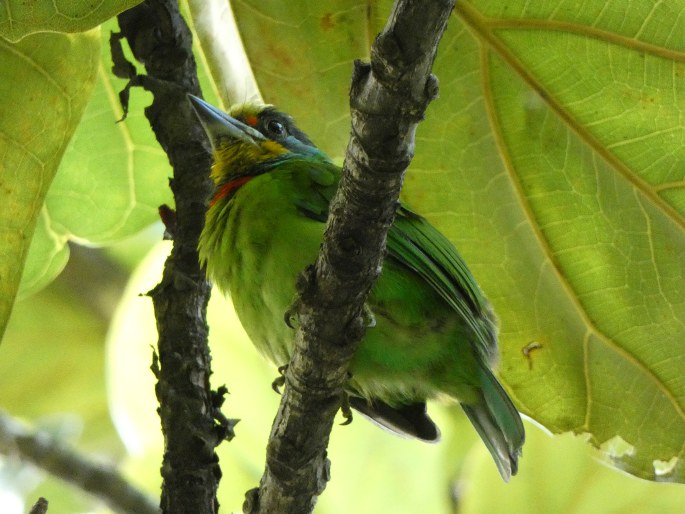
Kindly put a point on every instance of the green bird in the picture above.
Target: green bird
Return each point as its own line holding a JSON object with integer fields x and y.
{"x": 434, "y": 333}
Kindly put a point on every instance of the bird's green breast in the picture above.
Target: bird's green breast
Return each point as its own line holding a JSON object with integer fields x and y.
{"x": 255, "y": 245}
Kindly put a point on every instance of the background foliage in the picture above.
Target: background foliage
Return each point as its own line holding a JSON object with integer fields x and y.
{"x": 554, "y": 160}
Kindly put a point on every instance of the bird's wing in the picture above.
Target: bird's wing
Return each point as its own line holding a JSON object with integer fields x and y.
{"x": 415, "y": 243}
{"x": 315, "y": 184}
{"x": 418, "y": 245}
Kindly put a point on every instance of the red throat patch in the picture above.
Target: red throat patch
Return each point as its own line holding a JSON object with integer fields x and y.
{"x": 228, "y": 188}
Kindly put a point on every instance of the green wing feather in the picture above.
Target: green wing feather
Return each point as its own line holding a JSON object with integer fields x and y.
{"x": 315, "y": 184}
{"x": 417, "y": 244}
{"x": 414, "y": 243}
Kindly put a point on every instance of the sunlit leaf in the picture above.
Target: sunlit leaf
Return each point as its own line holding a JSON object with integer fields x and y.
{"x": 47, "y": 79}
{"x": 111, "y": 179}
{"x": 19, "y": 18}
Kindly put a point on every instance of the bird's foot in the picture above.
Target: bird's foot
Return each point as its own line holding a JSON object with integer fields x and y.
{"x": 280, "y": 380}
{"x": 290, "y": 316}
{"x": 346, "y": 409}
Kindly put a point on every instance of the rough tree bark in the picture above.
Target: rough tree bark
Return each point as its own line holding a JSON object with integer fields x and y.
{"x": 189, "y": 411}
{"x": 388, "y": 99}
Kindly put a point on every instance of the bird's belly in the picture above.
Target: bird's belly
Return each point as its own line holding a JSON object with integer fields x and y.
{"x": 262, "y": 279}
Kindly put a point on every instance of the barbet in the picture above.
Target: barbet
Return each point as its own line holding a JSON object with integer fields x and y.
{"x": 434, "y": 333}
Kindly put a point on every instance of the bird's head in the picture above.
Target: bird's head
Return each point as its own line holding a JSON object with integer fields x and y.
{"x": 248, "y": 141}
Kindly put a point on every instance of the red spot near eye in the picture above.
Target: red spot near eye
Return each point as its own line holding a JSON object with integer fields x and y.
{"x": 229, "y": 187}
{"x": 251, "y": 120}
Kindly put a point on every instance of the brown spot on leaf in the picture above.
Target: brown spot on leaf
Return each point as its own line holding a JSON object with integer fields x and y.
{"x": 327, "y": 21}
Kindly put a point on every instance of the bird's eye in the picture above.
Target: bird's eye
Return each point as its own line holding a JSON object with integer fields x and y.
{"x": 276, "y": 128}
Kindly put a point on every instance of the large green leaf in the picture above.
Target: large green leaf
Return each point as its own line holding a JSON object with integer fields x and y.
{"x": 19, "y": 18}
{"x": 589, "y": 252}
{"x": 554, "y": 160}
{"x": 111, "y": 179}
{"x": 47, "y": 79}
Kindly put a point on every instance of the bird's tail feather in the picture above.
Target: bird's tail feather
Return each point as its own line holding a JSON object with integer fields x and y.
{"x": 499, "y": 425}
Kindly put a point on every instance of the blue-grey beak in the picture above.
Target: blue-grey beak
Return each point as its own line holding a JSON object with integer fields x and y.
{"x": 218, "y": 125}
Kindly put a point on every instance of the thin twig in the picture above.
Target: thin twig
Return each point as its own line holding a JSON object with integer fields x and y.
{"x": 388, "y": 98}
{"x": 59, "y": 459}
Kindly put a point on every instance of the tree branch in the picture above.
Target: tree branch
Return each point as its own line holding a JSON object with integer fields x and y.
{"x": 191, "y": 422}
{"x": 388, "y": 99}
{"x": 99, "y": 479}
